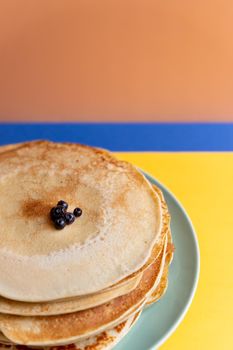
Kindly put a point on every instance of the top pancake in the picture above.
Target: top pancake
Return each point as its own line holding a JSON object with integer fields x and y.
{"x": 39, "y": 263}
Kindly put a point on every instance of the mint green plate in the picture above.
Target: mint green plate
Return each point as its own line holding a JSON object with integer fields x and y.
{"x": 160, "y": 320}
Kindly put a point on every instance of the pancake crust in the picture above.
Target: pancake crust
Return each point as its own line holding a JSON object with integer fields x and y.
{"x": 160, "y": 290}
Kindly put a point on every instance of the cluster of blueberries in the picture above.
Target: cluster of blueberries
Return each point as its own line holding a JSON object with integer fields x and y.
{"x": 61, "y": 217}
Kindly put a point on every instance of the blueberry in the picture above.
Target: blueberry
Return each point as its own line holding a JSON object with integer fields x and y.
{"x": 69, "y": 217}
{"x": 57, "y": 212}
{"x": 60, "y": 223}
{"x": 63, "y": 204}
{"x": 77, "y": 212}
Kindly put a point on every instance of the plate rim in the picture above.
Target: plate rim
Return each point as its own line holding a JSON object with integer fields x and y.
{"x": 152, "y": 180}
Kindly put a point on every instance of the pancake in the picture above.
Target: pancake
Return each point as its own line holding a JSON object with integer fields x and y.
{"x": 134, "y": 311}
{"x": 62, "y": 329}
{"x": 104, "y": 341}
{"x": 38, "y": 263}
{"x": 14, "y": 307}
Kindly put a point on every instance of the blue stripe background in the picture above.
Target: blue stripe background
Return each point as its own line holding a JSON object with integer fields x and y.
{"x": 127, "y": 136}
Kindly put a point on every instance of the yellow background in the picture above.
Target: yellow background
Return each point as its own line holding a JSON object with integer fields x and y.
{"x": 203, "y": 182}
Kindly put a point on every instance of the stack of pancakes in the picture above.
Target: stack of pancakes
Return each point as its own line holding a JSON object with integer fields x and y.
{"x": 82, "y": 287}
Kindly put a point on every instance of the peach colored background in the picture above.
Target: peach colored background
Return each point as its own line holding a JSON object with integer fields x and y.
{"x": 116, "y": 60}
